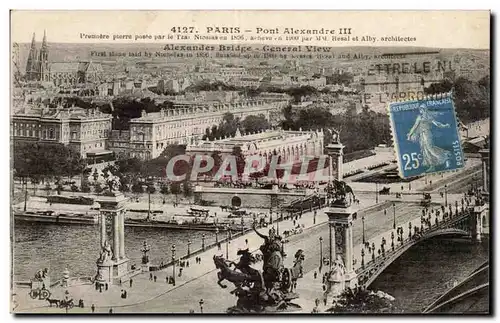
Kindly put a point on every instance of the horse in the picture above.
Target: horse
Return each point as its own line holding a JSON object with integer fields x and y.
{"x": 53, "y": 301}
{"x": 226, "y": 273}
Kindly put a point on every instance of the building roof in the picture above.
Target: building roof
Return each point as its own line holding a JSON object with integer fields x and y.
{"x": 73, "y": 67}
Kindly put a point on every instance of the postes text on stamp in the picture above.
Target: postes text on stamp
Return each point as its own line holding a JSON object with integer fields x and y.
{"x": 426, "y": 136}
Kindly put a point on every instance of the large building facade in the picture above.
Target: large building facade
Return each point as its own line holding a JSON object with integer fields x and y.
{"x": 85, "y": 131}
{"x": 291, "y": 146}
{"x": 187, "y": 122}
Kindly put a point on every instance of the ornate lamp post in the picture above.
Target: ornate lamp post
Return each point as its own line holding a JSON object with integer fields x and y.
{"x": 203, "y": 241}
{"x": 320, "y": 253}
{"x": 277, "y": 225}
{"x": 227, "y": 243}
{"x": 242, "y": 226}
{"x": 445, "y": 194}
{"x": 189, "y": 248}
{"x": 173, "y": 263}
{"x": 363, "y": 223}
{"x": 392, "y": 240}
{"x": 363, "y": 258}
{"x": 394, "y": 215}
{"x": 201, "y": 305}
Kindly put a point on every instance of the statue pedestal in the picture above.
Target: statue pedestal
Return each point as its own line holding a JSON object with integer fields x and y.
{"x": 111, "y": 272}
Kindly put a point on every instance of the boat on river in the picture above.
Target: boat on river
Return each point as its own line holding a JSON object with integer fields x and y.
{"x": 56, "y": 217}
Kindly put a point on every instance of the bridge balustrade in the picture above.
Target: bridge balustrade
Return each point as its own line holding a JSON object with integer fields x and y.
{"x": 372, "y": 267}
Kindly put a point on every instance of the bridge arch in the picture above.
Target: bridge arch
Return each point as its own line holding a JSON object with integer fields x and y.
{"x": 368, "y": 275}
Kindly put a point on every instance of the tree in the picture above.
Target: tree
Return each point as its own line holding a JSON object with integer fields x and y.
{"x": 175, "y": 188}
{"x": 137, "y": 188}
{"x": 129, "y": 166}
{"x": 240, "y": 160}
{"x": 471, "y": 98}
{"x": 186, "y": 187}
{"x": 151, "y": 189}
{"x": 164, "y": 191}
{"x": 38, "y": 161}
{"x": 255, "y": 123}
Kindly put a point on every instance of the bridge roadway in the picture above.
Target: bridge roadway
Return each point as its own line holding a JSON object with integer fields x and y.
{"x": 199, "y": 281}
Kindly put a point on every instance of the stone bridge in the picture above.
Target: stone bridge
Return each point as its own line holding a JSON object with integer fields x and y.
{"x": 463, "y": 221}
{"x": 457, "y": 225}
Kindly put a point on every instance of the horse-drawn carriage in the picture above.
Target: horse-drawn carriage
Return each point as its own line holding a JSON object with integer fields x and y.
{"x": 385, "y": 191}
{"x": 426, "y": 201}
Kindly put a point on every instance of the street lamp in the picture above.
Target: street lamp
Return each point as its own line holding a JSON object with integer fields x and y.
{"x": 392, "y": 240}
{"x": 203, "y": 241}
{"x": 445, "y": 194}
{"x": 173, "y": 263}
{"x": 277, "y": 225}
{"x": 227, "y": 243}
{"x": 363, "y": 258}
{"x": 201, "y": 305}
{"x": 394, "y": 215}
{"x": 189, "y": 248}
{"x": 320, "y": 253}
{"x": 314, "y": 217}
{"x": 363, "y": 222}
{"x": 409, "y": 230}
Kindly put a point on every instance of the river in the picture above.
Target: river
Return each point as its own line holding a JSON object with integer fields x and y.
{"x": 76, "y": 247}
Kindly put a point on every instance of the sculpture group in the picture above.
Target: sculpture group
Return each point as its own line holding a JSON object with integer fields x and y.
{"x": 269, "y": 290}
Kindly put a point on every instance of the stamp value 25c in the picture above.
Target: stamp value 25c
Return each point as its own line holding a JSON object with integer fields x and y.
{"x": 426, "y": 136}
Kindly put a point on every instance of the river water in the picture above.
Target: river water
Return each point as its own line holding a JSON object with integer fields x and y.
{"x": 76, "y": 247}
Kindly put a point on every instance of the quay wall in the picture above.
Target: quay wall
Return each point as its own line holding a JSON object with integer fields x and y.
{"x": 249, "y": 198}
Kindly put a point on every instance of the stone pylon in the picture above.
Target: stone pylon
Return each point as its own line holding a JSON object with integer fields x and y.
{"x": 112, "y": 264}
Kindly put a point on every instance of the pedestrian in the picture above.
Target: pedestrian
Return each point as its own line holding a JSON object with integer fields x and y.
{"x": 111, "y": 311}
{"x": 187, "y": 263}
{"x": 150, "y": 276}
{"x": 166, "y": 279}
{"x": 246, "y": 242}
{"x": 315, "y": 275}
{"x": 154, "y": 278}
{"x": 107, "y": 286}
{"x": 92, "y": 308}
{"x": 199, "y": 260}
{"x": 131, "y": 282}
{"x": 218, "y": 245}
{"x": 180, "y": 272}
{"x": 100, "y": 288}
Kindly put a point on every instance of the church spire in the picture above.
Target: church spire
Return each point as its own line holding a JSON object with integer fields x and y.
{"x": 31, "y": 64}
{"x": 43, "y": 58}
